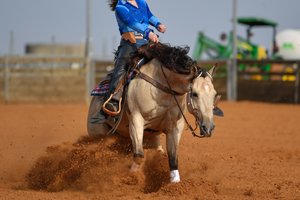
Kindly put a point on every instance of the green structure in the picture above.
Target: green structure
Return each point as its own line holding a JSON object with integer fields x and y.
{"x": 246, "y": 49}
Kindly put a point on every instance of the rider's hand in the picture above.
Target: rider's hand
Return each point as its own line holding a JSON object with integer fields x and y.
{"x": 161, "y": 28}
{"x": 153, "y": 37}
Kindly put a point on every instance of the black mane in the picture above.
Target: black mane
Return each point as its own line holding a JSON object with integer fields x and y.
{"x": 173, "y": 58}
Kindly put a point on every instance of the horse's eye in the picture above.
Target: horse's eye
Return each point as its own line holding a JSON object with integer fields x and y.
{"x": 194, "y": 94}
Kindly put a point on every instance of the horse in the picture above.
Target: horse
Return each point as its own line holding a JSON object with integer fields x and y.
{"x": 167, "y": 85}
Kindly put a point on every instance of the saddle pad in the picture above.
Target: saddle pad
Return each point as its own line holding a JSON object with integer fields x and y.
{"x": 101, "y": 89}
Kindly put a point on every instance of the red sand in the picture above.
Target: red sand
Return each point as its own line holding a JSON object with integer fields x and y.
{"x": 253, "y": 154}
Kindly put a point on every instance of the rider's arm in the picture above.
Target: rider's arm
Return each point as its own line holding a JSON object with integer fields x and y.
{"x": 123, "y": 13}
{"x": 154, "y": 21}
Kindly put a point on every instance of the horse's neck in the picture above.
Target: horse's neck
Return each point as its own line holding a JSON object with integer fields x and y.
{"x": 178, "y": 82}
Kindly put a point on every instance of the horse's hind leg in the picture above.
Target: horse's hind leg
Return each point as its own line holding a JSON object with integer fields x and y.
{"x": 157, "y": 144}
{"x": 153, "y": 142}
{"x": 95, "y": 121}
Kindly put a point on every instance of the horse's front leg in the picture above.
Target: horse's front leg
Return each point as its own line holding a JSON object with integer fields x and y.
{"x": 136, "y": 130}
{"x": 173, "y": 138}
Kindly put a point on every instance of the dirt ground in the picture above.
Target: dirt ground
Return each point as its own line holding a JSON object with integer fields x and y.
{"x": 254, "y": 153}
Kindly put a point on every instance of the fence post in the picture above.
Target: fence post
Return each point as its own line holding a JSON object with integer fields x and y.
{"x": 231, "y": 80}
{"x": 88, "y": 79}
{"x": 233, "y": 64}
{"x": 229, "y": 84}
{"x": 88, "y": 51}
{"x": 6, "y": 78}
{"x": 92, "y": 76}
{"x": 297, "y": 84}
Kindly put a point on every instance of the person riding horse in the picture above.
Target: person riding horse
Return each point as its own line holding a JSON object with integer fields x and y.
{"x": 133, "y": 18}
{"x": 166, "y": 85}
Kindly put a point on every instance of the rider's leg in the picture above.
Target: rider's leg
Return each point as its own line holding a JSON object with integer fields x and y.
{"x": 124, "y": 51}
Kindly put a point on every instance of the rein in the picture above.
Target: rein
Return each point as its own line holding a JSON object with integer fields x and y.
{"x": 158, "y": 85}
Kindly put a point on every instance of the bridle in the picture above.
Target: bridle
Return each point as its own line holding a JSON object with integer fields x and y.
{"x": 190, "y": 105}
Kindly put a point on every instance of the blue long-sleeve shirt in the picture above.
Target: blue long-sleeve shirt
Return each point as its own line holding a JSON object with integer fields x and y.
{"x": 131, "y": 18}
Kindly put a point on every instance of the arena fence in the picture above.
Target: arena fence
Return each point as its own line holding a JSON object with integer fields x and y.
{"x": 263, "y": 80}
{"x": 70, "y": 79}
{"x": 30, "y": 79}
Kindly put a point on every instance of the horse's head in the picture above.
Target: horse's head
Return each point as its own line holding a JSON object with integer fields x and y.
{"x": 202, "y": 101}
{"x": 202, "y": 98}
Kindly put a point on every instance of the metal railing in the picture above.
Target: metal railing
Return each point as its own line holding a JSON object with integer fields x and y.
{"x": 67, "y": 67}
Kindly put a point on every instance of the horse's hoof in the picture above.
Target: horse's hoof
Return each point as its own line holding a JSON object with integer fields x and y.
{"x": 174, "y": 176}
{"x": 134, "y": 167}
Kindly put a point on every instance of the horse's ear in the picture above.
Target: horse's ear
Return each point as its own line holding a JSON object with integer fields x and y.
{"x": 195, "y": 70}
{"x": 213, "y": 70}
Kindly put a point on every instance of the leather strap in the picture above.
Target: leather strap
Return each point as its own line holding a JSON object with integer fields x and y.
{"x": 157, "y": 84}
{"x": 131, "y": 37}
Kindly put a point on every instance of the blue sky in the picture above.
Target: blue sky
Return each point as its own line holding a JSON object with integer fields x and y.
{"x": 37, "y": 21}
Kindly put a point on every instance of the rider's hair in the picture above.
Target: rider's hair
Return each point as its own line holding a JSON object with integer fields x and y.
{"x": 113, "y": 4}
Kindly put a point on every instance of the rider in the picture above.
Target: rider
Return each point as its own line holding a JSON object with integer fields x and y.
{"x": 133, "y": 18}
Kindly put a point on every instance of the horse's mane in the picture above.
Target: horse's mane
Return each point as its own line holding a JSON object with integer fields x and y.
{"x": 173, "y": 58}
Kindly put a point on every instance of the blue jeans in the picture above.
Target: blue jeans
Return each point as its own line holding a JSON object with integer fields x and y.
{"x": 124, "y": 52}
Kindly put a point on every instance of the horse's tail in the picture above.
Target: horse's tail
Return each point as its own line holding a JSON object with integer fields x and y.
{"x": 113, "y": 4}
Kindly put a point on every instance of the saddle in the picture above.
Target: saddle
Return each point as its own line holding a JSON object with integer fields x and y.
{"x": 120, "y": 92}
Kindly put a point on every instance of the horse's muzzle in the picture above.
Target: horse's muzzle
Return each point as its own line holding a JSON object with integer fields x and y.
{"x": 206, "y": 131}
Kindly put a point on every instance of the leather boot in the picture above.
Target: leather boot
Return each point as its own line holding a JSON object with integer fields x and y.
{"x": 112, "y": 105}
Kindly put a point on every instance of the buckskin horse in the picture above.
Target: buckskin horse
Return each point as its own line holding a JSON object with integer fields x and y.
{"x": 167, "y": 84}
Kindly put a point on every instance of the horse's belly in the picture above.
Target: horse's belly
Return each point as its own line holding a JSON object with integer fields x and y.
{"x": 156, "y": 122}
{"x": 151, "y": 127}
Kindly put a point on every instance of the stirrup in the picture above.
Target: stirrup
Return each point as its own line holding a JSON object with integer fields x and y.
{"x": 109, "y": 112}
